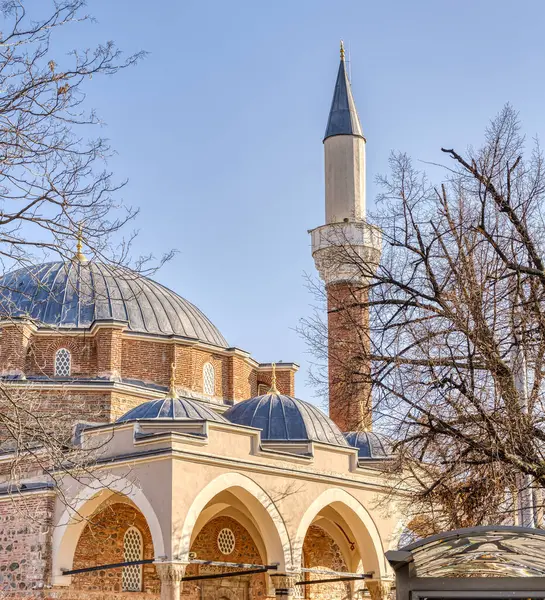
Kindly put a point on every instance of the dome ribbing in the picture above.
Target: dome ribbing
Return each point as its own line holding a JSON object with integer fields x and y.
{"x": 283, "y": 418}
{"x": 173, "y": 409}
{"x": 370, "y": 445}
{"x": 77, "y": 293}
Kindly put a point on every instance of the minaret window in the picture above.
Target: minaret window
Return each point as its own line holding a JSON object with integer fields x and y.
{"x": 209, "y": 379}
{"x": 63, "y": 363}
{"x": 133, "y": 550}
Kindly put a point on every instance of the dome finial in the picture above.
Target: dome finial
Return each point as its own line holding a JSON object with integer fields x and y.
{"x": 172, "y": 388}
{"x": 273, "y": 389}
{"x": 342, "y": 50}
{"x": 79, "y": 246}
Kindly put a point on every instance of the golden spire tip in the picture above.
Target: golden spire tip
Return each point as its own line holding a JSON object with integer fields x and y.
{"x": 79, "y": 245}
{"x": 342, "y": 50}
{"x": 273, "y": 389}
{"x": 172, "y": 388}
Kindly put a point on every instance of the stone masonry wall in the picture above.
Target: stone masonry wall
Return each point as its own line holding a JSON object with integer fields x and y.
{"x": 321, "y": 551}
{"x": 25, "y": 543}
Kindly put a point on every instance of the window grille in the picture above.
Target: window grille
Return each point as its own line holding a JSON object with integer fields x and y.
{"x": 132, "y": 550}
{"x": 263, "y": 389}
{"x": 63, "y": 363}
{"x": 226, "y": 541}
{"x": 209, "y": 379}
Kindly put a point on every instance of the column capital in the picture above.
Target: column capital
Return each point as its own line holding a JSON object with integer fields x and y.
{"x": 284, "y": 584}
{"x": 379, "y": 589}
{"x": 171, "y": 575}
{"x": 171, "y": 571}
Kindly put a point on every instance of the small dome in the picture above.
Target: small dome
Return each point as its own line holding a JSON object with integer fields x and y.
{"x": 370, "y": 445}
{"x": 173, "y": 409}
{"x": 283, "y": 418}
{"x": 74, "y": 294}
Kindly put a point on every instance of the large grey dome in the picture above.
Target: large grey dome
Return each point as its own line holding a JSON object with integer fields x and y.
{"x": 172, "y": 409}
{"x": 77, "y": 293}
{"x": 283, "y": 418}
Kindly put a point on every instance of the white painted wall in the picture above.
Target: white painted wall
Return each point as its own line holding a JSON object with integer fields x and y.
{"x": 344, "y": 178}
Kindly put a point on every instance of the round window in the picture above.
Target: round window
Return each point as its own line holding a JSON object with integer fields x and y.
{"x": 226, "y": 541}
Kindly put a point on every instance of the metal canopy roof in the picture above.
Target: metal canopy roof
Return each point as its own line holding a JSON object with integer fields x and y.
{"x": 496, "y": 560}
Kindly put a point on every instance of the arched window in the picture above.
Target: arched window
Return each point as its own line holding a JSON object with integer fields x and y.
{"x": 133, "y": 549}
{"x": 208, "y": 379}
{"x": 63, "y": 362}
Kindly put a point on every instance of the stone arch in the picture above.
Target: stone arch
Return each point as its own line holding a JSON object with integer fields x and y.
{"x": 259, "y": 504}
{"x": 360, "y": 522}
{"x": 74, "y": 518}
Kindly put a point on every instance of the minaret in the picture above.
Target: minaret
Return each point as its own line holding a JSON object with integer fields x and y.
{"x": 346, "y": 252}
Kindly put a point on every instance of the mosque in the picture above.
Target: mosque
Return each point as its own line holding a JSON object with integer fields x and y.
{"x": 212, "y": 480}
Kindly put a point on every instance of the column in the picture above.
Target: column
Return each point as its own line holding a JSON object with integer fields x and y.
{"x": 171, "y": 575}
{"x": 379, "y": 589}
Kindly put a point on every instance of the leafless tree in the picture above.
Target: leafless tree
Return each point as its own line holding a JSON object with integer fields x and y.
{"x": 54, "y": 182}
{"x": 457, "y": 330}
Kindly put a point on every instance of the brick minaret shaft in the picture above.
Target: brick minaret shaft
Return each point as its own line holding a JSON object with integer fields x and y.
{"x": 335, "y": 245}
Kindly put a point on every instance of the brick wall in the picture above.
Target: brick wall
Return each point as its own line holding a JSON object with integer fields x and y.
{"x": 25, "y": 543}
{"x": 109, "y": 341}
{"x": 146, "y": 360}
{"x": 348, "y": 357}
{"x": 321, "y": 551}
{"x": 285, "y": 381}
{"x": 14, "y": 343}
{"x": 101, "y": 542}
{"x": 40, "y": 358}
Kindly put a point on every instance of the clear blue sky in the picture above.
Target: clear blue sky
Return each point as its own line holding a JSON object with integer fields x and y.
{"x": 219, "y": 130}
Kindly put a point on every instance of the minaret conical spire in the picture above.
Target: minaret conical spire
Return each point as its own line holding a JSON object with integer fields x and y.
{"x": 343, "y": 116}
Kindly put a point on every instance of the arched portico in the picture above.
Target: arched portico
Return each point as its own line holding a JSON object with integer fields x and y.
{"x": 360, "y": 525}
{"x": 75, "y": 517}
{"x": 258, "y": 504}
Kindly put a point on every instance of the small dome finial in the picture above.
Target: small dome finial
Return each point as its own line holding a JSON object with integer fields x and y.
{"x": 342, "y": 50}
{"x": 79, "y": 246}
{"x": 172, "y": 388}
{"x": 273, "y": 389}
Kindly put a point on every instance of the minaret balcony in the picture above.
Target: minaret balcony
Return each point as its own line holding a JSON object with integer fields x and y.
{"x": 346, "y": 252}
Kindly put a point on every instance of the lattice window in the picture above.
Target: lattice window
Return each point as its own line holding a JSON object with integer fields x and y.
{"x": 263, "y": 389}
{"x": 63, "y": 363}
{"x": 226, "y": 541}
{"x": 209, "y": 379}
{"x": 133, "y": 549}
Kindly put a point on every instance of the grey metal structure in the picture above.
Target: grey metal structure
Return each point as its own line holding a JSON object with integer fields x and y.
{"x": 172, "y": 409}
{"x": 283, "y": 418}
{"x": 75, "y": 294}
{"x": 343, "y": 116}
{"x": 370, "y": 444}
{"x": 490, "y": 562}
